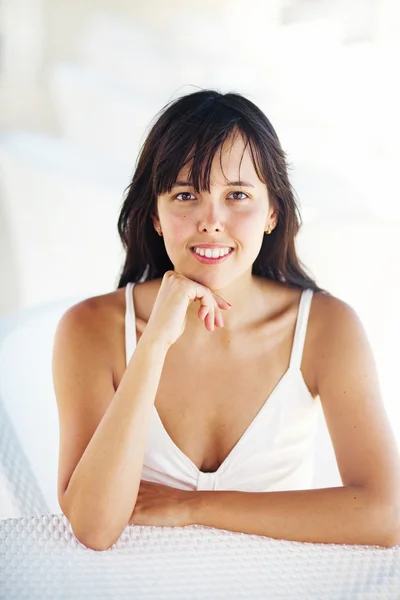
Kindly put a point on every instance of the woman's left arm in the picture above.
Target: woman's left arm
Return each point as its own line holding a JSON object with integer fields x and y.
{"x": 366, "y": 510}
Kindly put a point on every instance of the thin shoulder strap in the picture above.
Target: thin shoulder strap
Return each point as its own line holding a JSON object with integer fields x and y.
{"x": 301, "y": 328}
{"x": 130, "y": 323}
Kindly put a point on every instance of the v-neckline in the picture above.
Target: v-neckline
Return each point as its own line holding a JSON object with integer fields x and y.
{"x": 244, "y": 435}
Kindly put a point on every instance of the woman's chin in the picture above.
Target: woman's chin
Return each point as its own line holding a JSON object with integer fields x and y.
{"x": 213, "y": 281}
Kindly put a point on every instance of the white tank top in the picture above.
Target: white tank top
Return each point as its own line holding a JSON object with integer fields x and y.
{"x": 275, "y": 453}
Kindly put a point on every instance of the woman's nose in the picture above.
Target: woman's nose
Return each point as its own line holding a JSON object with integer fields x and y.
{"x": 211, "y": 219}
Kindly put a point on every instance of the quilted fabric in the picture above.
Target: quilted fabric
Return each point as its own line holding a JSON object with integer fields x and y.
{"x": 41, "y": 558}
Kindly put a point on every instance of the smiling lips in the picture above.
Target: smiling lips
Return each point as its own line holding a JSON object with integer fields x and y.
{"x": 211, "y": 255}
{"x": 211, "y": 252}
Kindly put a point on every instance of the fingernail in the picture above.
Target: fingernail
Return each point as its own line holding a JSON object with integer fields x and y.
{"x": 228, "y": 303}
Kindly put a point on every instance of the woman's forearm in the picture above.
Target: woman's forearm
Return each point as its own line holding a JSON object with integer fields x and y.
{"x": 340, "y": 515}
{"x": 103, "y": 488}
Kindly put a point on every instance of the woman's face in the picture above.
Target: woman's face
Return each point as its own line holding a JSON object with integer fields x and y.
{"x": 233, "y": 215}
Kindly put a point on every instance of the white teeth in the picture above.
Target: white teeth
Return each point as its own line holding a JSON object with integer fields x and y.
{"x": 212, "y": 253}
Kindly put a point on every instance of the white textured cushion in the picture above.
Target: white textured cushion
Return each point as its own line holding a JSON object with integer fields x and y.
{"x": 41, "y": 558}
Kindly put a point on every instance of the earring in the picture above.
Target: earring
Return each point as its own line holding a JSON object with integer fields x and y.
{"x": 159, "y": 231}
{"x": 269, "y": 230}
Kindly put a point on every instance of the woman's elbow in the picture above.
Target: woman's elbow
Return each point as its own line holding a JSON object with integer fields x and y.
{"x": 94, "y": 540}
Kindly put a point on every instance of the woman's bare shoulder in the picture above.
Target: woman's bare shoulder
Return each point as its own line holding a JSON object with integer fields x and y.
{"x": 107, "y": 311}
{"x": 97, "y": 323}
{"x": 94, "y": 308}
{"x": 329, "y": 316}
{"x": 325, "y": 307}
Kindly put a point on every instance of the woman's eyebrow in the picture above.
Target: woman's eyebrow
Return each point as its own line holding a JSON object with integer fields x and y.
{"x": 181, "y": 183}
{"x": 239, "y": 184}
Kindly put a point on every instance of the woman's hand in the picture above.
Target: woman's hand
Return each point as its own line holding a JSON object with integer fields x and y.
{"x": 168, "y": 318}
{"x": 161, "y": 505}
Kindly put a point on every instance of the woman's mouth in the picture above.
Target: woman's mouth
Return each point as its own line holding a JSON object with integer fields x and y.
{"x": 211, "y": 256}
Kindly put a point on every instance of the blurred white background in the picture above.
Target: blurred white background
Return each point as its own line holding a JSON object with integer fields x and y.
{"x": 80, "y": 84}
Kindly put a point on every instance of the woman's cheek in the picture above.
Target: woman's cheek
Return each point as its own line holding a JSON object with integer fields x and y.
{"x": 177, "y": 232}
{"x": 179, "y": 228}
{"x": 248, "y": 225}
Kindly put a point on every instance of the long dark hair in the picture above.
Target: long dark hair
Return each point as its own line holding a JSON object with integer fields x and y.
{"x": 193, "y": 128}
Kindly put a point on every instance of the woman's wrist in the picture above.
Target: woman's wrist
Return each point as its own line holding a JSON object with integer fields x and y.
{"x": 193, "y": 506}
{"x": 153, "y": 344}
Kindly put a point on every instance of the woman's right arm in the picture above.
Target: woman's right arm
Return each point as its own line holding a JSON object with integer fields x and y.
{"x": 103, "y": 432}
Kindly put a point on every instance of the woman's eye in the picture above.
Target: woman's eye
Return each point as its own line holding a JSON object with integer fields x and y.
{"x": 183, "y": 194}
{"x": 245, "y": 196}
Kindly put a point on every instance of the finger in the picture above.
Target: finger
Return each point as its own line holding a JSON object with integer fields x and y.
{"x": 207, "y": 302}
{"x": 210, "y": 318}
{"x": 209, "y": 311}
{"x": 203, "y": 311}
{"x": 221, "y": 303}
{"x": 206, "y": 297}
{"x": 219, "y": 321}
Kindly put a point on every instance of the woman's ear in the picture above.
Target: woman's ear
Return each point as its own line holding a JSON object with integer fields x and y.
{"x": 273, "y": 218}
{"x": 156, "y": 222}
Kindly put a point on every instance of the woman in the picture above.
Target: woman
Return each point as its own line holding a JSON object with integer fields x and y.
{"x": 199, "y": 379}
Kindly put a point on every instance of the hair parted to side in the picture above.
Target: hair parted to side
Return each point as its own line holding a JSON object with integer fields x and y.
{"x": 193, "y": 128}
